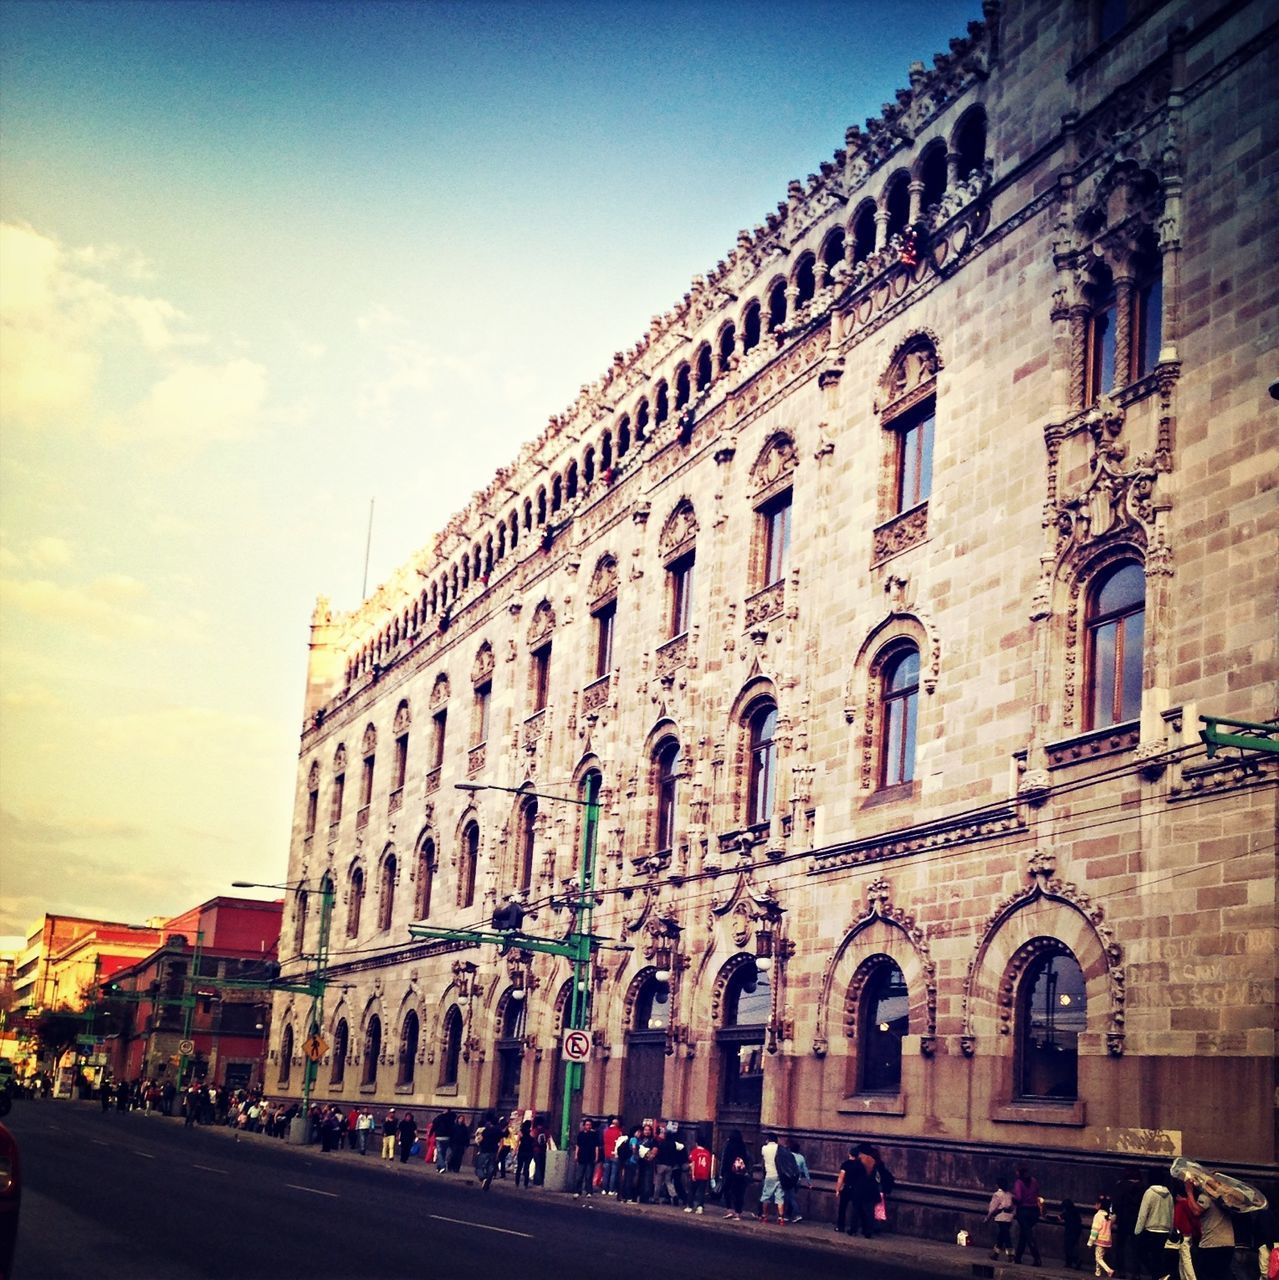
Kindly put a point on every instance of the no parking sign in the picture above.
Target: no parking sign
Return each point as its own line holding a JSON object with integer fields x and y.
{"x": 576, "y": 1046}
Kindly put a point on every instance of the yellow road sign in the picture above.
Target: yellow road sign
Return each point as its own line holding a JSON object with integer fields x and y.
{"x": 315, "y": 1047}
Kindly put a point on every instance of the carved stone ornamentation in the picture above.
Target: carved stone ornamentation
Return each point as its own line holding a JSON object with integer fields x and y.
{"x": 901, "y": 533}
{"x": 603, "y": 586}
{"x": 679, "y": 532}
{"x": 773, "y": 468}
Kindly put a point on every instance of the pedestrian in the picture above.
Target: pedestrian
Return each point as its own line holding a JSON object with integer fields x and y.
{"x": 627, "y": 1150}
{"x": 771, "y": 1192}
{"x": 459, "y": 1143}
{"x": 505, "y": 1145}
{"x": 389, "y": 1124}
{"x": 542, "y": 1143}
{"x": 1100, "y": 1237}
{"x": 701, "y": 1168}
{"x": 488, "y": 1138}
{"x": 586, "y": 1149}
{"x": 1072, "y": 1232}
{"x": 442, "y": 1132}
{"x": 612, "y": 1135}
{"x": 104, "y": 1094}
{"x": 363, "y": 1127}
{"x": 407, "y": 1131}
{"x": 735, "y": 1167}
{"x": 352, "y": 1127}
{"x": 1154, "y": 1223}
{"x": 525, "y": 1146}
{"x": 1186, "y": 1227}
{"x": 1001, "y": 1212}
{"x": 1216, "y": 1234}
{"x": 865, "y": 1192}
{"x": 1125, "y": 1202}
{"x": 667, "y": 1161}
{"x": 802, "y": 1178}
{"x": 646, "y": 1155}
{"x": 1027, "y": 1210}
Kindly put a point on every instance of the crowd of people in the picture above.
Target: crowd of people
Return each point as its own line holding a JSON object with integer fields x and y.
{"x": 1144, "y": 1227}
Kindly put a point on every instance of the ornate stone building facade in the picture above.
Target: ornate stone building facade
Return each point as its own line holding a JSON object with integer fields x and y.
{"x": 879, "y": 587}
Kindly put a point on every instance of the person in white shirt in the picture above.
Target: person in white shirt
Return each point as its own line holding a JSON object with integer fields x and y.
{"x": 771, "y": 1192}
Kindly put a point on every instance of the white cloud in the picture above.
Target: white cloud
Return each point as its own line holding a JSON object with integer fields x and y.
{"x": 97, "y": 608}
{"x": 196, "y": 403}
{"x": 50, "y": 553}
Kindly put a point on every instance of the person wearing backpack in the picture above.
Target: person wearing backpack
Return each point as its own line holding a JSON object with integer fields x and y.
{"x": 791, "y": 1182}
{"x": 735, "y": 1169}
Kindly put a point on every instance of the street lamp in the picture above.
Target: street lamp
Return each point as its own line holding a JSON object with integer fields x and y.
{"x": 580, "y": 943}
{"x": 314, "y": 986}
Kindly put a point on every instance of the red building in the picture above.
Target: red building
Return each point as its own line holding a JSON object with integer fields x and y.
{"x": 183, "y": 1007}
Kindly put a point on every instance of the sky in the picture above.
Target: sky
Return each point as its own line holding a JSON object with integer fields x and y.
{"x": 266, "y": 266}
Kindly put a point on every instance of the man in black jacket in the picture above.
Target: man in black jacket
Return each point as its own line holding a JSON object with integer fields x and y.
{"x": 587, "y": 1148}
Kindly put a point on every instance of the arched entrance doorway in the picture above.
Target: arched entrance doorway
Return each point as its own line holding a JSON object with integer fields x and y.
{"x": 745, "y": 1008}
{"x": 645, "y": 1071}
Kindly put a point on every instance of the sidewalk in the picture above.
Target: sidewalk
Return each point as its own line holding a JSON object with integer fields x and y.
{"x": 929, "y": 1258}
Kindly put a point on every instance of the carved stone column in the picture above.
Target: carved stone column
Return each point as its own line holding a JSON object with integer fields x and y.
{"x": 916, "y": 190}
{"x": 1125, "y": 288}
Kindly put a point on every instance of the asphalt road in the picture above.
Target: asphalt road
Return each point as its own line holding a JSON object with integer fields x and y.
{"x": 134, "y": 1197}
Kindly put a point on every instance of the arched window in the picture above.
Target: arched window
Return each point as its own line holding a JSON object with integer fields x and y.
{"x": 328, "y": 893}
{"x": 510, "y": 1050}
{"x": 747, "y": 998}
{"x": 899, "y": 710}
{"x": 1052, "y": 1010}
{"x": 864, "y": 232}
{"x": 653, "y": 1007}
{"x": 932, "y": 173}
{"x": 623, "y": 437}
{"x": 286, "y": 1054}
{"x": 425, "y": 876}
{"x": 751, "y": 327}
{"x": 386, "y": 897}
{"x": 777, "y": 306}
{"x": 641, "y": 420}
{"x": 372, "y": 1050}
{"x": 666, "y": 765}
{"x": 661, "y": 404}
{"x": 408, "y": 1049}
{"x": 727, "y": 345}
{"x": 747, "y": 1004}
{"x": 762, "y": 727}
{"x": 355, "y": 903}
{"x": 897, "y": 202}
{"x": 1148, "y": 314}
{"x": 528, "y": 844}
{"x": 299, "y": 921}
{"x": 705, "y": 367}
{"x": 1116, "y": 620}
{"x": 805, "y": 280}
{"x": 451, "y": 1048}
{"x": 1103, "y": 329}
{"x": 570, "y": 483}
{"x": 882, "y": 1022}
{"x": 683, "y": 386}
{"x": 913, "y": 454}
{"x": 468, "y": 864}
{"x": 341, "y": 1046}
{"x": 832, "y": 253}
{"x": 588, "y": 792}
{"x": 970, "y": 143}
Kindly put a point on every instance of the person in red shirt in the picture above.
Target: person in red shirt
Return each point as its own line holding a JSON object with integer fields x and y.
{"x": 701, "y": 1166}
{"x": 611, "y": 1136}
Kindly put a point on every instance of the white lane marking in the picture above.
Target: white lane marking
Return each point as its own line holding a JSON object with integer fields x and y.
{"x": 144, "y": 1155}
{"x": 333, "y": 1195}
{"x": 480, "y": 1226}
{"x": 208, "y": 1168}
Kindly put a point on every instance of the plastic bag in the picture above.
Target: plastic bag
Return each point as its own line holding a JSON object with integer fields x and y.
{"x": 881, "y": 1210}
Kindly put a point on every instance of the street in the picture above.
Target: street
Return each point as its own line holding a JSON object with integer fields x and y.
{"x": 135, "y": 1197}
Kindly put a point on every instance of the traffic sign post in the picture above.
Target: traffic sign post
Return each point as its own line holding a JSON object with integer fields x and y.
{"x": 576, "y": 1046}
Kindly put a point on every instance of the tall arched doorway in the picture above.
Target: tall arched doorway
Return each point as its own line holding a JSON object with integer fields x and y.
{"x": 645, "y": 1071}
{"x": 744, "y": 1013}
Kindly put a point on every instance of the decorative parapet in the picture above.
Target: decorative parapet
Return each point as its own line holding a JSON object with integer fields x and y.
{"x": 902, "y": 532}
{"x": 533, "y": 727}
{"x": 475, "y": 758}
{"x": 994, "y": 824}
{"x": 362, "y": 818}
{"x": 395, "y": 801}
{"x": 595, "y": 695}
{"x": 671, "y": 656}
{"x": 433, "y": 780}
{"x": 764, "y": 605}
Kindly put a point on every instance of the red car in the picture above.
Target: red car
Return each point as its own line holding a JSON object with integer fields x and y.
{"x": 10, "y": 1198}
